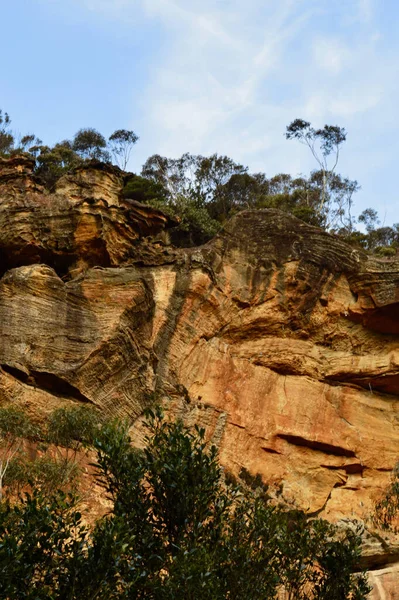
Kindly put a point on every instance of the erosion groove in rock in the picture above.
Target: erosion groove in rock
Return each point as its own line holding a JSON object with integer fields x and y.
{"x": 279, "y": 338}
{"x": 297, "y": 440}
{"x": 46, "y": 381}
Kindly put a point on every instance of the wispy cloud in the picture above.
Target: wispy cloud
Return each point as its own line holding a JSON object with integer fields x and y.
{"x": 331, "y": 55}
{"x": 212, "y": 83}
{"x": 233, "y": 74}
{"x": 365, "y": 10}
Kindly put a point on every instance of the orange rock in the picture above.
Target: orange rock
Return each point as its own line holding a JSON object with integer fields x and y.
{"x": 279, "y": 338}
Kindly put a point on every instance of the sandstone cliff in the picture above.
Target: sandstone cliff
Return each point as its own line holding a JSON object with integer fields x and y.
{"x": 278, "y": 337}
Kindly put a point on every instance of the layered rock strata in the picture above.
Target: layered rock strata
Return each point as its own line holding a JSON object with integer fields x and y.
{"x": 277, "y": 336}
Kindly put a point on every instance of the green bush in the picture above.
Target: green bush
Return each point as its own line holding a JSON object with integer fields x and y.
{"x": 385, "y": 251}
{"x": 144, "y": 190}
{"x": 176, "y": 530}
{"x": 41, "y": 541}
{"x": 15, "y": 429}
{"x": 55, "y": 448}
{"x": 386, "y": 510}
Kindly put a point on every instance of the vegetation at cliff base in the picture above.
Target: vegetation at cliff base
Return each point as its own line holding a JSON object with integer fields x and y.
{"x": 386, "y": 512}
{"x": 177, "y": 527}
{"x": 43, "y": 456}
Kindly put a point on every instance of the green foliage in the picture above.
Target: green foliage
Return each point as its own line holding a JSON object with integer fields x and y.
{"x": 15, "y": 428}
{"x": 322, "y": 143}
{"x": 69, "y": 431}
{"x": 387, "y": 508}
{"x": 28, "y": 141}
{"x": 329, "y": 138}
{"x": 202, "y": 192}
{"x": 317, "y": 560}
{"x": 302, "y": 197}
{"x": 6, "y": 137}
{"x": 369, "y": 217}
{"x": 14, "y": 425}
{"x": 41, "y": 537}
{"x": 89, "y": 143}
{"x": 72, "y": 427}
{"x": 121, "y": 143}
{"x": 194, "y": 177}
{"x": 52, "y": 461}
{"x": 186, "y": 532}
{"x": 383, "y": 237}
{"x": 241, "y": 191}
{"x": 16, "y": 476}
{"x": 176, "y": 460}
{"x": 52, "y": 163}
{"x": 199, "y": 188}
{"x": 212, "y": 176}
{"x": 387, "y": 251}
{"x": 382, "y": 241}
{"x": 145, "y": 191}
{"x": 11, "y": 144}
{"x": 196, "y": 226}
{"x": 190, "y": 533}
{"x": 175, "y": 530}
{"x": 195, "y": 192}
{"x": 48, "y": 473}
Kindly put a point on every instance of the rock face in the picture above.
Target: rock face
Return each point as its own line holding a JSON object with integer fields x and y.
{"x": 85, "y": 223}
{"x": 278, "y": 337}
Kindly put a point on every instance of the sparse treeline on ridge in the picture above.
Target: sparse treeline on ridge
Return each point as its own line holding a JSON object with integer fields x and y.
{"x": 204, "y": 191}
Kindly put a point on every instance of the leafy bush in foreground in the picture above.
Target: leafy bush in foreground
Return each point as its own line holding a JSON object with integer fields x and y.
{"x": 176, "y": 530}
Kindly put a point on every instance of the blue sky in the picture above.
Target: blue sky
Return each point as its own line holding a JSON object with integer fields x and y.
{"x": 206, "y": 76}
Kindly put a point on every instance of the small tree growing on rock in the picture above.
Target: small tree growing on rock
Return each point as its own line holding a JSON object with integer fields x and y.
{"x": 323, "y": 144}
{"x": 15, "y": 427}
{"x": 121, "y": 143}
{"x": 70, "y": 430}
{"x": 90, "y": 143}
{"x": 386, "y": 513}
{"x": 6, "y": 137}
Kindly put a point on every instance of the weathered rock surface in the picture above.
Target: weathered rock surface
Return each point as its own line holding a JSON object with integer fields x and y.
{"x": 280, "y": 338}
{"x": 85, "y": 223}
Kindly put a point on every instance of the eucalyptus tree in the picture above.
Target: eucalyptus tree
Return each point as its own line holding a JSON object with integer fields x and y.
{"x": 120, "y": 144}
{"x": 324, "y": 144}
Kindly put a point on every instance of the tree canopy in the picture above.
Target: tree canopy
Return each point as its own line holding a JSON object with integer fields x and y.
{"x": 90, "y": 143}
{"x": 324, "y": 144}
{"x": 121, "y": 143}
{"x": 204, "y": 191}
{"x": 6, "y": 137}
